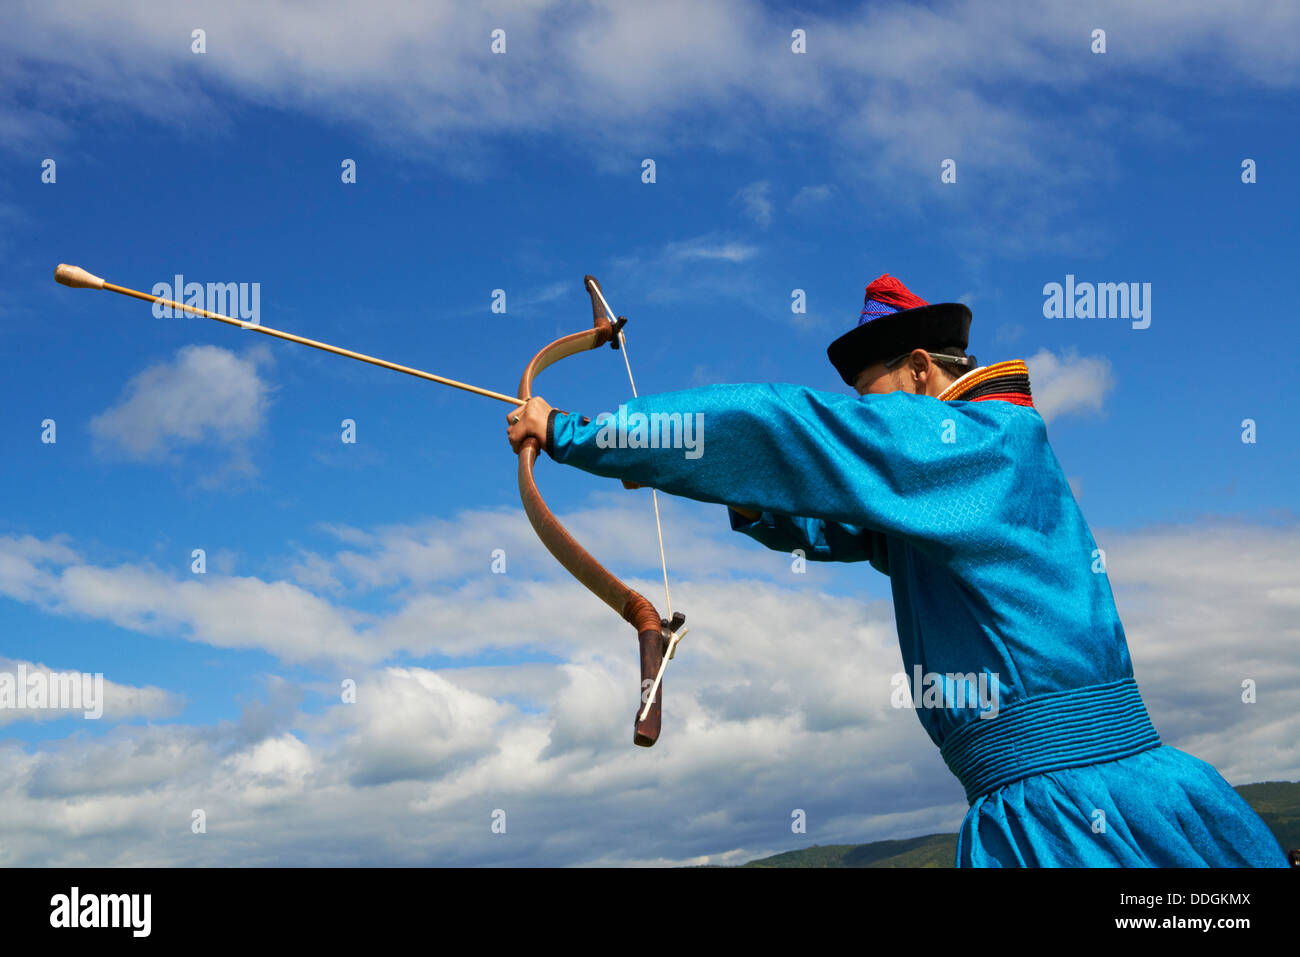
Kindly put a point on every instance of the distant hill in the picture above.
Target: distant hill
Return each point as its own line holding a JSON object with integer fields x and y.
{"x": 1277, "y": 802}
{"x": 933, "y": 850}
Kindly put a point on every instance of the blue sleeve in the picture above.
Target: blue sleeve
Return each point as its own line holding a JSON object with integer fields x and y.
{"x": 896, "y": 463}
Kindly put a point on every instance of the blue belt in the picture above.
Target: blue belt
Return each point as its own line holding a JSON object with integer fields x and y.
{"x": 1064, "y": 729}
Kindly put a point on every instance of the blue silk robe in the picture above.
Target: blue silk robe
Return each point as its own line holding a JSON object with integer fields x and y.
{"x": 964, "y": 506}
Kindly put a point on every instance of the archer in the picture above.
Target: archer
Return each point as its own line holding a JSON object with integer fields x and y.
{"x": 939, "y": 474}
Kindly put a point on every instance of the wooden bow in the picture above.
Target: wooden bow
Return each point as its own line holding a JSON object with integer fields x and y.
{"x": 653, "y": 632}
{"x": 656, "y": 635}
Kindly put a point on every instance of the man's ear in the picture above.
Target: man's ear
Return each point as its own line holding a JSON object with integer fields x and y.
{"x": 921, "y": 368}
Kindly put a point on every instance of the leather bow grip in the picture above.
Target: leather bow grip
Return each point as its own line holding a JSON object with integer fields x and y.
{"x": 650, "y": 636}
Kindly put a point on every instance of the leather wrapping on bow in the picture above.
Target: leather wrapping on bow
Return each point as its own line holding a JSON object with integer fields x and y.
{"x": 653, "y": 632}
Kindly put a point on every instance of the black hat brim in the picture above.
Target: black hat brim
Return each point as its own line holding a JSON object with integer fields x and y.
{"x": 941, "y": 325}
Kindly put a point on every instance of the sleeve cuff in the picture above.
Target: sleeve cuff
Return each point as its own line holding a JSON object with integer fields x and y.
{"x": 550, "y": 433}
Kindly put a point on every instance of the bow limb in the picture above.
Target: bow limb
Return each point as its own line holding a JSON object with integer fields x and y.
{"x": 652, "y": 631}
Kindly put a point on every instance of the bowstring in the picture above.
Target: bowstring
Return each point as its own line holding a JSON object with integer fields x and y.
{"x": 654, "y": 493}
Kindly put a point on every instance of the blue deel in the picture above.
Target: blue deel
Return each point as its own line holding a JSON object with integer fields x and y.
{"x": 995, "y": 576}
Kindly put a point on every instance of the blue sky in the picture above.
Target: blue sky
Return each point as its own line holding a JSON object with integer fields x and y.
{"x": 522, "y": 172}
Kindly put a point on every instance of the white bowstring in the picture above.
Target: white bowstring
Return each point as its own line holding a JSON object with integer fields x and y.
{"x": 654, "y": 494}
{"x": 659, "y": 528}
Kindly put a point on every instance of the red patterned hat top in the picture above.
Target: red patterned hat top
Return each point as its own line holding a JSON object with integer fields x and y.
{"x": 886, "y": 296}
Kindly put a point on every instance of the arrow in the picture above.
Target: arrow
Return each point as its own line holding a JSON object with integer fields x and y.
{"x": 78, "y": 278}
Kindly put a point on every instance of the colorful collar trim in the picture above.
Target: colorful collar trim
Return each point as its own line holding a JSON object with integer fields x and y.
{"x": 1007, "y": 381}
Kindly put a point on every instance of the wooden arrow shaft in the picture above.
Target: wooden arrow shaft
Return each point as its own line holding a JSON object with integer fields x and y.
{"x": 84, "y": 280}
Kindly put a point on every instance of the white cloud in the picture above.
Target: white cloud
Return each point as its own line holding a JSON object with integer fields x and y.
{"x": 612, "y": 83}
{"x": 678, "y": 74}
{"x": 411, "y": 772}
{"x": 458, "y": 727}
{"x": 809, "y": 196}
{"x": 1068, "y": 383}
{"x": 756, "y": 200}
{"x": 204, "y": 394}
{"x": 119, "y": 701}
{"x": 225, "y": 612}
{"x": 1206, "y": 608}
{"x": 271, "y": 771}
{"x": 703, "y": 247}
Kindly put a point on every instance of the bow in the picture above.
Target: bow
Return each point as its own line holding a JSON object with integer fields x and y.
{"x": 654, "y": 634}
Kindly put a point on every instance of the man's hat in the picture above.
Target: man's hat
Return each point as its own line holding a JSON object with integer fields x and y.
{"x": 895, "y": 321}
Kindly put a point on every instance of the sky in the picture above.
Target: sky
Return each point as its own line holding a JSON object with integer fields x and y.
{"x": 328, "y": 562}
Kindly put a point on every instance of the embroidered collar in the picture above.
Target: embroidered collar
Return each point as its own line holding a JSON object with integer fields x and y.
{"x": 1008, "y": 381}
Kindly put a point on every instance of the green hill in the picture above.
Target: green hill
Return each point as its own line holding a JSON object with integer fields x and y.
{"x": 1277, "y": 802}
{"x": 933, "y": 850}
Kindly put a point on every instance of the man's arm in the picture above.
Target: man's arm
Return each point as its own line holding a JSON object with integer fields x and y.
{"x": 885, "y": 462}
{"x": 816, "y": 539}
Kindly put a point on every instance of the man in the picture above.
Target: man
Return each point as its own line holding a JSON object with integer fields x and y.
{"x": 940, "y": 475}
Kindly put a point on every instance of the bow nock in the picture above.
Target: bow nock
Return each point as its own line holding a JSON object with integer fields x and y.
{"x": 602, "y": 316}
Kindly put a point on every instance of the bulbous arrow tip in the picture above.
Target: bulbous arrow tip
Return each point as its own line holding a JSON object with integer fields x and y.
{"x": 76, "y": 277}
